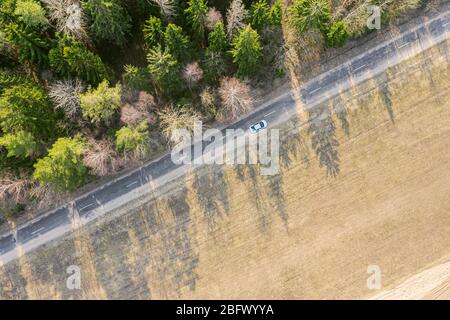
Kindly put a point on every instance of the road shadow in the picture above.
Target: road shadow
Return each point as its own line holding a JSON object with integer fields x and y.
{"x": 322, "y": 131}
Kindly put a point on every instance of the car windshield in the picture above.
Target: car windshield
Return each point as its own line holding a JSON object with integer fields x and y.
{"x": 261, "y": 124}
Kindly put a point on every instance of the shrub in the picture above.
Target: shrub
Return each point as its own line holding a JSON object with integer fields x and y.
{"x": 63, "y": 168}
{"x": 337, "y": 35}
{"x": 101, "y": 104}
{"x": 134, "y": 140}
{"x": 31, "y": 13}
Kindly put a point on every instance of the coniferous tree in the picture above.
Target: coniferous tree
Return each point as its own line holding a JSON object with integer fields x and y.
{"x": 164, "y": 69}
{"x": 71, "y": 58}
{"x": 109, "y": 21}
{"x": 196, "y": 16}
{"x": 246, "y": 51}
{"x": 176, "y": 42}
{"x": 63, "y": 167}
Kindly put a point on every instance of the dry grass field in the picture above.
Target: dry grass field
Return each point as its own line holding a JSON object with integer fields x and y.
{"x": 373, "y": 190}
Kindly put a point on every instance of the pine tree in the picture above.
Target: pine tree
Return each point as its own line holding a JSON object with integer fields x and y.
{"x": 305, "y": 14}
{"x": 246, "y": 51}
{"x": 176, "y": 42}
{"x": 153, "y": 31}
{"x": 109, "y": 21}
{"x": 71, "y": 58}
{"x": 27, "y": 107}
{"x": 217, "y": 39}
{"x": 259, "y": 15}
{"x": 164, "y": 69}
{"x": 30, "y": 45}
{"x": 196, "y": 16}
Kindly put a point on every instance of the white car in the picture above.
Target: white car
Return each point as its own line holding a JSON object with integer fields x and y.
{"x": 258, "y": 126}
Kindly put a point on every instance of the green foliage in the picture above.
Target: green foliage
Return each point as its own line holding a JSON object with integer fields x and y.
{"x": 259, "y": 15}
{"x": 101, "y": 104}
{"x": 71, "y": 58}
{"x": 196, "y": 16}
{"x": 10, "y": 78}
{"x": 246, "y": 51}
{"x": 217, "y": 39}
{"x": 214, "y": 65}
{"x": 305, "y": 14}
{"x": 31, "y": 13}
{"x": 176, "y": 42}
{"x": 135, "y": 78}
{"x": 31, "y": 46}
{"x": 27, "y": 107}
{"x": 275, "y": 13}
{"x": 337, "y": 35}
{"x": 109, "y": 21}
{"x": 20, "y": 144}
{"x": 63, "y": 167}
{"x": 164, "y": 69}
{"x": 132, "y": 139}
{"x": 153, "y": 31}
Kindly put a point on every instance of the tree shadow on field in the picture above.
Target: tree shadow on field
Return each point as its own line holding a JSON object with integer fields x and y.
{"x": 385, "y": 94}
{"x": 13, "y": 284}
{"x": 173, "y": 258}
{"x": 322, "y": 131}
{"x": 211, "y": 189}
{"x": 292, "y": 144}
{"x": 341, "y": 113}
{"x": 111, "y": 243}
{"x": 277, "y": 198}
{"x": 250, "y": 173}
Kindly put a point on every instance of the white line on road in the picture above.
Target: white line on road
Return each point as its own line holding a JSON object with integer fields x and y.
{"x": 359, "y": 68}
{"x": 315, "y": 90}
{"x": 404, "y": 45}
{"x": 35, "y": 231}
{"x": 133, "y": 183}
{"x": 269, "y": 113}
{"x": 81, "y": 209}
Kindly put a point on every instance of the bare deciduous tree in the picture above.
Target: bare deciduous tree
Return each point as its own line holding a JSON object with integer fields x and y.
{"x": 192, "y": 73}
{"x": 235, "y": 97}
{"x": 14, "y": 188}
{"x": 65, "y": 96}
{"x": 101, "y": 158}
{"x": 213, "y": 17}
{"x": 172, "y": 119}
{"x": 167, "y": 7}
{"x": 67, "y": 16}
{"x": 236, "y": 14}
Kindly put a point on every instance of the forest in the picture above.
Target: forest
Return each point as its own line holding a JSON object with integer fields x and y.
{"x": 92, "y": 87}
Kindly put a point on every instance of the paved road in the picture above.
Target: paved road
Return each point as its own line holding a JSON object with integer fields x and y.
{"x": 128, "y": 187}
